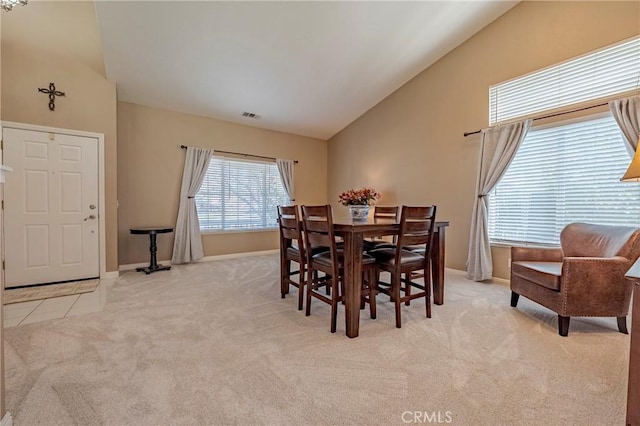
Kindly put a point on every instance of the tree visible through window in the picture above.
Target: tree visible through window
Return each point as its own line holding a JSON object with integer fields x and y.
{"x": 240, "y": 195}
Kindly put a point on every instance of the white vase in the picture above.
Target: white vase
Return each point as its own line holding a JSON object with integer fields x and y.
{"x": 359, "y": 213}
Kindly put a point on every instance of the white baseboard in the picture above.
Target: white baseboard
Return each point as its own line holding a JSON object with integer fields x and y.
{"x": 501, "y": 281}
{"x": 131, "y": 266}
{"x": 456, "y": 271}
{"x": 111, "y": 275}
{"x": 237, "y": 255}
{"x": 7, "y": 420}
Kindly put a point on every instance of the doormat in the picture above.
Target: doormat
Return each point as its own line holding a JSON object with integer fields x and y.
{"x": 48, "y": 291}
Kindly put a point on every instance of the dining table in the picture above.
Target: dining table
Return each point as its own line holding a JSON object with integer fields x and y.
{"x": 353, "y": 234}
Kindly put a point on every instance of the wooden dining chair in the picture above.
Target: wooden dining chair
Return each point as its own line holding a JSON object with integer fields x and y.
{"x": 292, "y": 249}
{"x": 382, "y": 214}
{"x": 317, "y": 223}
{"x": 416, "y": 229}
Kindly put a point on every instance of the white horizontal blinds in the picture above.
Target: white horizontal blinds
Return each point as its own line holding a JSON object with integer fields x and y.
{"x": 240, "y": 194}
{"x": 613, "y": 70}
{"x": 568, "y": 173}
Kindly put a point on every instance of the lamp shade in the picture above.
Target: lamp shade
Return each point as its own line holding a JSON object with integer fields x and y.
{"x": 633, "y": 172}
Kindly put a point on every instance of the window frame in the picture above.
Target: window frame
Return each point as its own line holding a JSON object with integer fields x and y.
{"x": 548, "y": 124}
{"x": 241, "y": 230}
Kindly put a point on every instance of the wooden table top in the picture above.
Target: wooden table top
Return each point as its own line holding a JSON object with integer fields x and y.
{"x": 345, "y": 223}
{"x": 151, "y": 230}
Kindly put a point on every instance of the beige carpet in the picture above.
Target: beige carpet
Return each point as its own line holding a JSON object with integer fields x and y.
{"x": 48, "y": 291}
{"x": 213, "y": 343}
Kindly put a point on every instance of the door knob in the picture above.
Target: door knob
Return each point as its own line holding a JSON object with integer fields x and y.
{"x": 92, "y": 207}
{"x": 91, "y": 216}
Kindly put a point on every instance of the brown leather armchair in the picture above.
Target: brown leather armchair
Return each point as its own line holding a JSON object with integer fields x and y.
{"x": 585, "y": 277}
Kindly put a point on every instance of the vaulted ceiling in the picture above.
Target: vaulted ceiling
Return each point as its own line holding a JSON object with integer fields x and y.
{"x": 308, "y": 68}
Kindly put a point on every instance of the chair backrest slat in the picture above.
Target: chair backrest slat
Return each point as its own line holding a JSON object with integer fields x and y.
{"x": 290, "y": 230}
{"x": 317, "y": 223}
{"x": 289, "y": 234}
{"x": 416, "y": 227}
{"x": 318, "y": 239}
{"x": 386, "y": 214}
{"x": 289, "y": 222}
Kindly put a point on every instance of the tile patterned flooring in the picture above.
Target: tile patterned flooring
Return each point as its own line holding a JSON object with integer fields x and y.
{"x": 57, "y": 307}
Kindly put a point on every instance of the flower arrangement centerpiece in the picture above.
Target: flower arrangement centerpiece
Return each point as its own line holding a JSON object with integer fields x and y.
{"x": 358, "y": 201}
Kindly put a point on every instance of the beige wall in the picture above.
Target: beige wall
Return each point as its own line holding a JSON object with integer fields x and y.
{"x": 90, "y": 102}
{"x": 2, "y": 389}
{"x": 410, "y": 146}
{"x": 150, "y": 164}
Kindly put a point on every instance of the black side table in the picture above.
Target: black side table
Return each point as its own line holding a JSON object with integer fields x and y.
{"x": 153, "y": 247}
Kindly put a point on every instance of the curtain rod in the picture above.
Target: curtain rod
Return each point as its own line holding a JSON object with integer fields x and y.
{"x": 551, "y": 115}
{"x": 241, "y": 154}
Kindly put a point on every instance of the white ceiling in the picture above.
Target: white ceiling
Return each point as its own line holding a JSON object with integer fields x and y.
{"x": 308, "y": 68}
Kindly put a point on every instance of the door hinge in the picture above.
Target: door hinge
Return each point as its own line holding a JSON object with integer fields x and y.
{"x": 3, "y": 265}
{"x": 1, "y": 145}
{"x": 2, "y": 204}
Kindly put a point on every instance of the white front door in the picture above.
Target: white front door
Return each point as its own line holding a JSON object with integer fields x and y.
{"x": 51, "y": 207}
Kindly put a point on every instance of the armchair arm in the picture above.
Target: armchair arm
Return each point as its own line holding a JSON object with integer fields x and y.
{"x": 536, "y": 254}
{"x": 595, "y": 286}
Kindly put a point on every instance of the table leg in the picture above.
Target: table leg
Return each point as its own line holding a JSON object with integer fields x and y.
{"x": 352, "y": 281}
{"x": 153, "y": 257}
{"x": 437, "y": 266}
{"x": 153, "y": 249}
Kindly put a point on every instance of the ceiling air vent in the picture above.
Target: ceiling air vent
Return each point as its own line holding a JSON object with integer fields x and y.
{"x": 250, "y": 115}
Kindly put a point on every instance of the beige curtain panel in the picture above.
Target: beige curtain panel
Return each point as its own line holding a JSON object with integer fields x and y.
{"x": 187, "y": 243}
{"x": 627, "y": 114}
{"x": 285, "y": 167}
{"x": 498, "y": 147}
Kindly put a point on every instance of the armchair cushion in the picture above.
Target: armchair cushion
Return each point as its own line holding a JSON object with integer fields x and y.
{"x": 546, "y": 274}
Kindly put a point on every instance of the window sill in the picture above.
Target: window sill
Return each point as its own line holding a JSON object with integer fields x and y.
{"x": 236, "y": 231}
{"x": 521, "y": 244}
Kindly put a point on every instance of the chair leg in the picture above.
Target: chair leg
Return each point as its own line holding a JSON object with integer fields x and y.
{"x": 563, "y": 325}
{"x": 285, "y": 271}
{"x": 390, "y": 289}
{"x": 301, "y": 286}
{"x": 372, "y": 294}
{"x": 427, "y": 290}
{"x": 395, "y": 285}
{"x": 310, "y": 278}
{"x": 622, "y": 325}
{"x": 514, "y": 299}
{"x": 407, "y": 286}
{"x": 334, "y": 305}
{"x": 334, "y": 316}
{"x": 327, "y": 289}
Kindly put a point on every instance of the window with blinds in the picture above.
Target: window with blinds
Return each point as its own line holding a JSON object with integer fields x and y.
{"x": 609, "y": 71}
{"x": 569, "y": 171}
{"x": 562, "y": 174}
{"x": 240, "y": 195}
